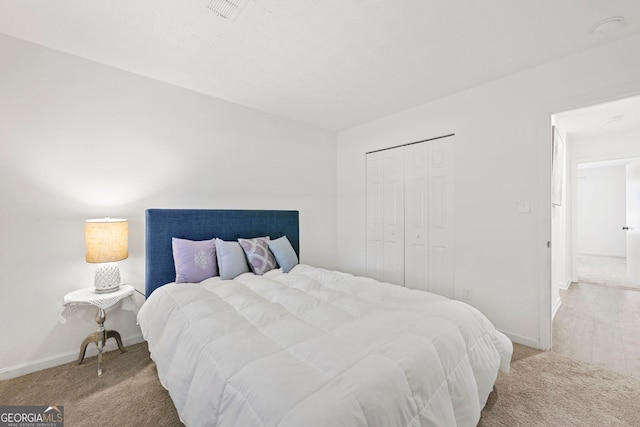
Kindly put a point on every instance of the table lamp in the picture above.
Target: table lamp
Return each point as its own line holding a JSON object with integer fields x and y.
{"x": 106, "y": 242}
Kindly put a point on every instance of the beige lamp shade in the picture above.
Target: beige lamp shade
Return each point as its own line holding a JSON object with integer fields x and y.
{"x": 106, "y": 239}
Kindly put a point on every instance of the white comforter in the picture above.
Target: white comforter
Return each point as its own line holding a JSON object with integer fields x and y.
{"x": 320, "y": 348}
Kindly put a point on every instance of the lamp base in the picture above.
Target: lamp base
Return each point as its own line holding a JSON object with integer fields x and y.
{"x": 106, "y": 291}
{"x": 107, "y": 278}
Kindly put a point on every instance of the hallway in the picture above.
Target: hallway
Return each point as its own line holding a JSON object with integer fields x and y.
{"x": 604, "y": 270}
{"x": 599, "y": 325}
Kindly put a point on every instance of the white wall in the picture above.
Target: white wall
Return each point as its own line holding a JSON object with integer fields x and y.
{"x": 602, "y": 202}
{"x": 502, "y": 155}
{"x": 82, "y": 140}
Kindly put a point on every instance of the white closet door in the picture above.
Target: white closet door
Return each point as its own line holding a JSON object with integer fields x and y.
{"x": 441, "y": 218}
{"x": 417, "y": 216}
{"x": 375, "y": 186}
{"x": 393, "y": 217}
{"x": 410, "y": 218}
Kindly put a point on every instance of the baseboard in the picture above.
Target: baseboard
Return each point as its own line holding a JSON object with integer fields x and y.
{"x": 555, "y": 309}
{"x": 564, "y": 286}
{"x": 617, "y": 255}
{"x": 518, "y": 339}
{"x": 62, "y": 358}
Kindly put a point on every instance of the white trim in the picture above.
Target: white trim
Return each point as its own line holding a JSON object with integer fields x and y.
{"x": 555, "y": 309}
{"x": 574, "y": 220}
{"x": 61, "y": 358}
{"x": 603, "y": 254}
{"x": 545, "y": 279}
{"x": 565, "y": 285}
{"x": 529, "y": 342}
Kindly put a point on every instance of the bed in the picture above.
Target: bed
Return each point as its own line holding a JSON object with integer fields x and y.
{"x": 309, "y": 347}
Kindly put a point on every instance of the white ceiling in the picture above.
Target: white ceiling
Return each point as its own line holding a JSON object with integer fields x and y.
{"x": 619, "y": 116}
{"x": 328, "y": 63}
{"x": 606, "y": 163}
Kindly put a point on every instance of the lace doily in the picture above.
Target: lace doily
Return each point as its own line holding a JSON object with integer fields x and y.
{"x": 76, "y": 302}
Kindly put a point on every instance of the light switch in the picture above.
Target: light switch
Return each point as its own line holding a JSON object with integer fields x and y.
{"x": 524, "y": 206}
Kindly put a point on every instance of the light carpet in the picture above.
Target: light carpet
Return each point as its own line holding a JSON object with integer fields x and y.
{"x": 548, "y": 389}
{"x": 542, "y": 389}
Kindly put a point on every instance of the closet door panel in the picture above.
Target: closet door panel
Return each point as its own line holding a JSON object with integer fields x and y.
{"x": 441, "y": 218}
{"x": 416, "y": 216}
{"x": 375, "y": 185}
{"x": 393, "y": 217}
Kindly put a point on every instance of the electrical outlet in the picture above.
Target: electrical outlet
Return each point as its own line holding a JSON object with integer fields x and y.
{"x": 466, "y": 294}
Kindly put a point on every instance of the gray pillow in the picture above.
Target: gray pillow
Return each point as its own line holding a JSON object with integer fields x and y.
{"x": 231, "y": 259}
{"x": 284, "y": 253}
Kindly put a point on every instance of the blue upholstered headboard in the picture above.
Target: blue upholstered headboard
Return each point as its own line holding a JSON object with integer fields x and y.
{"x": 201, "y": 224}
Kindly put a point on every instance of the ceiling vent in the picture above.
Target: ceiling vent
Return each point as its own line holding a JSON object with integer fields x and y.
{"x": 227, "y": 9}
{"x": 609, "y": 25}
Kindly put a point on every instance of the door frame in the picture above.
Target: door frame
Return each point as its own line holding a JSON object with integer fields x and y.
{"x": 546, "y": 309}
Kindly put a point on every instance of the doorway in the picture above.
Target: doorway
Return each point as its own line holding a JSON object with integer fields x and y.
{"x": 600, "y": 142}
{"x": 606, "y": 207}
{"x": 590, "y": 228}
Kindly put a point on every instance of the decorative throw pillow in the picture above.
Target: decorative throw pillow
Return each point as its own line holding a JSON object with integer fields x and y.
{"x": 194, "y": 260}
{"x": 231, "y": 260}
{"x": 284, "y": 253}
{"x": 258, "y": 254}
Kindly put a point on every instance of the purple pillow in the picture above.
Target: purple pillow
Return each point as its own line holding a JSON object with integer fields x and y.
{"x": 194, "y": 260}
{"x": 258, "y": 254}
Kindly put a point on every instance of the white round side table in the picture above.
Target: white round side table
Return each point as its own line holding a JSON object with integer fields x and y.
{"x": 75, "y": 300}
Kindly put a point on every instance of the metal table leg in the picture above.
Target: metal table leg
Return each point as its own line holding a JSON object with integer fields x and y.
{"x": 99, "y": 337}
